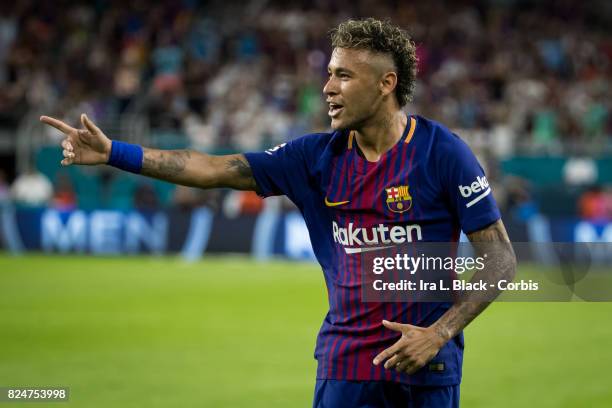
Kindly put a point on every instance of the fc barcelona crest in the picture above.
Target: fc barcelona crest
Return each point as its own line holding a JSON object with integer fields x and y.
{"x": 398, "y": 199}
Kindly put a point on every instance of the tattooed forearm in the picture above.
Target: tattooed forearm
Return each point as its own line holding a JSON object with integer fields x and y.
{"x": 164, "y": 164}
{"x": 197, "y": 169}
{"x": 500, "y": 264}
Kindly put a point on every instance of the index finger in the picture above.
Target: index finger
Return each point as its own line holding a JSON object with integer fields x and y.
{"x": 385, "y": 354}
{"x": 58, "y": 124}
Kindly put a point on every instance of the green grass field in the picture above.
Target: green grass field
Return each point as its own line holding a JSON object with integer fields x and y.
{"x": 229, "y": 332}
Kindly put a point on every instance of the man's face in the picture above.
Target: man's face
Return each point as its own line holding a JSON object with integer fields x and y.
{"x": 352, "y": 90}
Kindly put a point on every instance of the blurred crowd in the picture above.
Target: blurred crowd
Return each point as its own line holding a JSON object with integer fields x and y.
{"x": 246, "y": 75}
{"x": 531, "y": 76}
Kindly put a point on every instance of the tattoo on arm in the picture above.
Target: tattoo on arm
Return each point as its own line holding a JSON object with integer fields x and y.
{"x": 198, "y": 169}
{"x": 242, "y": 174}
{"x": 241, "y": 168}
{"x": 164, "y": 164}
{"x": 500, "y": 264}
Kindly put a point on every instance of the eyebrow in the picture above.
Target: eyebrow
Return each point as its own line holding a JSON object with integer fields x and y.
{"x": 339, "y": 70}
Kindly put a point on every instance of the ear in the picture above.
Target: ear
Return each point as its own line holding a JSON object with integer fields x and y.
{"x": 387, "y": 83}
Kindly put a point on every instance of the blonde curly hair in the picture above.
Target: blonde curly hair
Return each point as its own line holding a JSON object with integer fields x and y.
{"x": 383, "y": 37}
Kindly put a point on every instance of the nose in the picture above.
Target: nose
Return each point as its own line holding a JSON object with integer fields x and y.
{"x": 330, "y": 87}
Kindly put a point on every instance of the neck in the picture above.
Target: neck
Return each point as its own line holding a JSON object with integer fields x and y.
{"x": 378, "y": 136}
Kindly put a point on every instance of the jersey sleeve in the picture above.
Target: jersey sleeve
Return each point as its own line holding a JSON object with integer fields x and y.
{"x": 282, "y": 170}
{"x": 468, "y": 191}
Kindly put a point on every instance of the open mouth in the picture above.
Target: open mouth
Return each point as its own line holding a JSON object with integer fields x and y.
{"x": 335, "y": 109}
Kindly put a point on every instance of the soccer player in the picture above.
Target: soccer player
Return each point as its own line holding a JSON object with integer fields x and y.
{"x": 377, "y": 169}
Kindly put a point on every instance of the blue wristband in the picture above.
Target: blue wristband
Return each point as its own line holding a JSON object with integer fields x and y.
{"x": 126, "y": 156}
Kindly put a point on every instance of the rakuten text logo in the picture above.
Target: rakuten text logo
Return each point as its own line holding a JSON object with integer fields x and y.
{"x": 352, "y": 237}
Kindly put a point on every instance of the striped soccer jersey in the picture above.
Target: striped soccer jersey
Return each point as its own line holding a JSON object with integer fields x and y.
{"x": 428, "y": 187}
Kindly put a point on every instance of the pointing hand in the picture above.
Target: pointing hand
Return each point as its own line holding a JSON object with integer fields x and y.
{"x": 88, "y": 145}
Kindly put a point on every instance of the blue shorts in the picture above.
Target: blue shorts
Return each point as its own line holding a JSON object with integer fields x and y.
{"x": 383, "y": 394}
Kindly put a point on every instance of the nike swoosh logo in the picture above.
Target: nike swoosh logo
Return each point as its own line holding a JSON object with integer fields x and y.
{"x": 334, "y": 204}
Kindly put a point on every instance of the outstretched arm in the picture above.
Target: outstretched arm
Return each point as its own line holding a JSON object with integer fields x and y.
{"x": 418, "y": 345}
{"x": 198, "y": 169}
{"x": 90, "y": 146}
